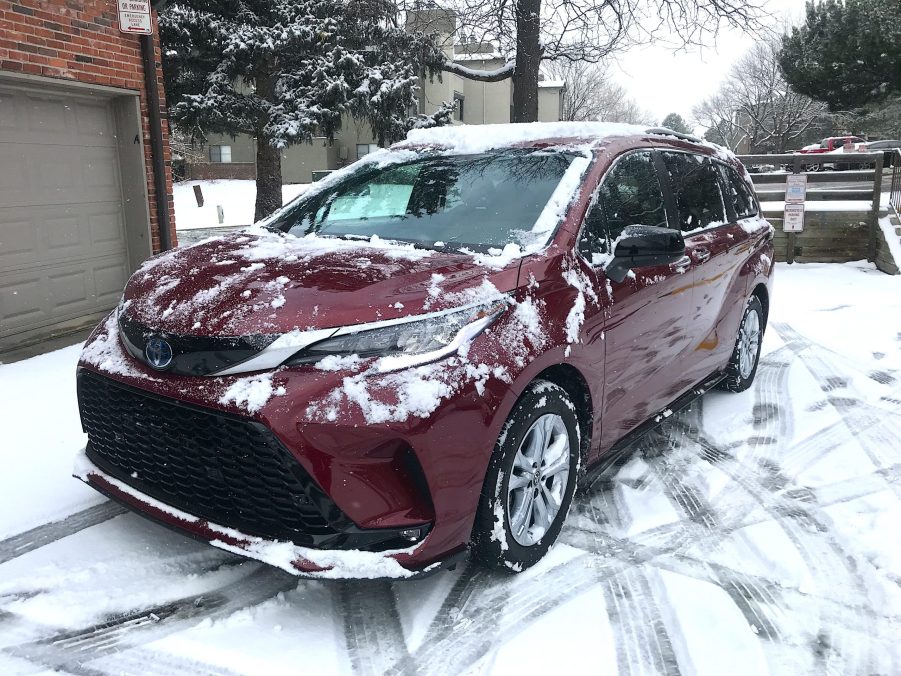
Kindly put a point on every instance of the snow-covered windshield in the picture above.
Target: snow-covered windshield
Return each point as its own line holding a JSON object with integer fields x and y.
{"x": 478, "y": 202}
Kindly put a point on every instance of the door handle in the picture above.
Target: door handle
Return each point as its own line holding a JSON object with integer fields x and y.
{"x": 681, "y": 265}
{"x": 702, "y": 254}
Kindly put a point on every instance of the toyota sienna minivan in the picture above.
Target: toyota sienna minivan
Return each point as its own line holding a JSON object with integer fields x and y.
{"x": 421, "y": 356}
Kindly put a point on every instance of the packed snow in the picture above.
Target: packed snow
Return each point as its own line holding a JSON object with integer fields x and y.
{"x": 750, "y": 534}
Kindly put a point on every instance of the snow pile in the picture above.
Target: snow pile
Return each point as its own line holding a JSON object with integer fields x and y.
{"x": 252, "y": 392}
{"x": 480, "y": 138}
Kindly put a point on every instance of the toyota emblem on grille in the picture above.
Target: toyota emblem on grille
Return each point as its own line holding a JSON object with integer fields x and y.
{"x": 159, "y": 353}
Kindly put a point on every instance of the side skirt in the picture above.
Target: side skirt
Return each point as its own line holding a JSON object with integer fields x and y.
{"x": 622, "y": 449}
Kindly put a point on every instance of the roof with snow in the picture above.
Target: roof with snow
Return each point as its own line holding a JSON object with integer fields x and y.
{"x": 479, "y": 138}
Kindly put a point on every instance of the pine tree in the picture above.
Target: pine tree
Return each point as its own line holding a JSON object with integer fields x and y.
{"x": 847, "y": 53}
{"x": 284, "y": 71}
{"x": 675, "y": 122}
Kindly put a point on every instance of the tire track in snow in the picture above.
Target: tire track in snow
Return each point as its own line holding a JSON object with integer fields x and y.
{"x": 641, "y": 639}
{"x": 871, "y": 428}
{"x": 373, "y": 634}
{"x": 463, "y": 631}
{"x": 71, "y": 650}
{"x": 833, "y": 569}
{"x": 20, "y": 544}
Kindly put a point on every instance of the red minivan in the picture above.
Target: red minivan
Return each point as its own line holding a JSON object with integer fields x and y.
{"x": 422, "y": 355}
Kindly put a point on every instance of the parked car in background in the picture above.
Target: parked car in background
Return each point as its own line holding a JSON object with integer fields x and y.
{"x": 421, "y": 355}
{"x": 830, "y": 144}
{"x": 890, "y": 157}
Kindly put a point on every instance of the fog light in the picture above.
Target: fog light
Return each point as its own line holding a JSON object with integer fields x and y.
{"x": 411, "y": 534}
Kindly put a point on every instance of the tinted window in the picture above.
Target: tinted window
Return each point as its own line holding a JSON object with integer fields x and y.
{"x": 476, "y": 201}
{"x": 696, "y": 190}
{"x": 738, "y": 194}
{"x": 629, "y": 195}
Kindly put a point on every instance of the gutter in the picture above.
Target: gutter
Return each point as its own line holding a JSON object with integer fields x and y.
{"x": 157, "y": 156}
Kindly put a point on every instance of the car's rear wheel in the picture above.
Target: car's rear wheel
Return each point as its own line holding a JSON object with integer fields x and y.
{"x": 743, "y": 365}
{"x": 530, "y": 481}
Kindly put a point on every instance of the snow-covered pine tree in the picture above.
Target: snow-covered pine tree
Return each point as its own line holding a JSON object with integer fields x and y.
{"x": 285, "y": 71}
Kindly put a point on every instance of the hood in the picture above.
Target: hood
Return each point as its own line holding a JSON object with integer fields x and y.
{"x": 259, "y": 282}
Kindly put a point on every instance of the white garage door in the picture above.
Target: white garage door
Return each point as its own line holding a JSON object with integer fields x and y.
{"x": 63, "y": 256}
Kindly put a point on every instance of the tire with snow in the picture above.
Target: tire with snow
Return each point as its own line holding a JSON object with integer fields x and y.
{"x": 743, "y": 365}
{"x": 530, "y": 481}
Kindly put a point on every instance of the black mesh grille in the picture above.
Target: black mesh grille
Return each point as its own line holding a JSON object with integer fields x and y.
{"x": 221, "y": 468}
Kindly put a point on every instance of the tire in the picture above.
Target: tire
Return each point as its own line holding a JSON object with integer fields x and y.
{"x": 742, "y": 367}
{"x": 543, "y": 408}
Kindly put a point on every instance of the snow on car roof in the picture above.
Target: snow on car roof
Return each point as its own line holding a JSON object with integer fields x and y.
{"x": 466, "y": 138}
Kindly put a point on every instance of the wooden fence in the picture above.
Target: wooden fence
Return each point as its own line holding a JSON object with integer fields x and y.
{"x": 832, "y": 235}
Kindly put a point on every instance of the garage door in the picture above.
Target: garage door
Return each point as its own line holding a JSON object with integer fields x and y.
{"x": 63, "y": 257}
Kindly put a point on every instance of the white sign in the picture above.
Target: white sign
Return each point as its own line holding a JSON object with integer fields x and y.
{"x": 134, "y": 17}
{"x": 795, "y": 188}
{"x": 793, "y": 219}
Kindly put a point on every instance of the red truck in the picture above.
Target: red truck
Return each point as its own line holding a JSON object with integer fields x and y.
{"x": 830, "y": 144}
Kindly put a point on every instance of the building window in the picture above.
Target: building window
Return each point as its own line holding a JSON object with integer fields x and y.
{"x": 366, "y": 148}
{"x": 458, "y": 106}
{"x": 220, "y": 153}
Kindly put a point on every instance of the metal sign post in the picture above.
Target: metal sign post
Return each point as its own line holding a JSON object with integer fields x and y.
{"x": 134, "y": 17}
{"x": 793, "y": 217}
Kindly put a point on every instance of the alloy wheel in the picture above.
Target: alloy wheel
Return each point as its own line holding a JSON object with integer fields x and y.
{"x": 538, "y": 480}
{"x": 748, "y": 343}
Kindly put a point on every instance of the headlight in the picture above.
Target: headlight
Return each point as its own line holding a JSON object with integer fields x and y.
{"x": 407, "y": 342}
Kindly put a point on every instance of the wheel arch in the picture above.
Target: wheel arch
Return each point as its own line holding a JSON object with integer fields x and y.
{"x": 763, "y": 295}
{"x": 571, "y": 379}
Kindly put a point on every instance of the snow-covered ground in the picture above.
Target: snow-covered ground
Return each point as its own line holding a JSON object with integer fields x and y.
{"x": 236, "y": 197}
{"x": 755, "y": 533}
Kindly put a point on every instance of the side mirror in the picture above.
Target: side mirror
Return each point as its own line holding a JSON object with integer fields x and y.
{"x": 642, "y": 246}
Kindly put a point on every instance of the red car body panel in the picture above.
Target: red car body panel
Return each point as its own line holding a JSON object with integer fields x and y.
{"x": 643, "y": 343}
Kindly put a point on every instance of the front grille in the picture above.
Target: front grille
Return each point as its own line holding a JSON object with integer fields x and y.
{"x": 222, "y": 468}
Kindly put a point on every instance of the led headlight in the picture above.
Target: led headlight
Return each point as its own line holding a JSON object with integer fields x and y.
{"x": 407, "y": 342}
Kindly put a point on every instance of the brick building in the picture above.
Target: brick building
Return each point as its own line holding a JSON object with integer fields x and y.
{"x": 81, "y": 152}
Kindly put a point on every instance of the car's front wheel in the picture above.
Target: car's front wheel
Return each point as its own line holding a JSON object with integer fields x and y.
{"x": 530, "y": 481}
{"x": 743, "y": 365}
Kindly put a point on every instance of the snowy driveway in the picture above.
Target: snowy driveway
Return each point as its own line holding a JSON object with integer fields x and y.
{"x": 755, "y": 533}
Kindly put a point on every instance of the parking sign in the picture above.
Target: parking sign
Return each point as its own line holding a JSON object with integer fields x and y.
{"x": 134, "y": 17}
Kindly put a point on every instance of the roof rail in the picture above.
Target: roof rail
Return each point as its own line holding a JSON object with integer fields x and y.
{"x": 663, "y": 131}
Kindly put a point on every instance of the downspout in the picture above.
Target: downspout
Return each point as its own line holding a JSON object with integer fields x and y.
{"x": 157, "y": 155}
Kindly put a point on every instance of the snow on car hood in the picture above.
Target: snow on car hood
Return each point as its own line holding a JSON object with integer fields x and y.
{"x": 258, "y": 281}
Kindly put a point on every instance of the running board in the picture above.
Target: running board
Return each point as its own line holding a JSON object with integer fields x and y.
{"x": 623, "y": 448}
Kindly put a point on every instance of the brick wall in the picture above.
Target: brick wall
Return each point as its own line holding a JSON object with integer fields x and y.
{"x": 80, "y": 40}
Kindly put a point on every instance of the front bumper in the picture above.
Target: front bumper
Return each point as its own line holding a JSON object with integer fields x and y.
{"x": 295, "y": 559}
{"x": 378, "y": 479}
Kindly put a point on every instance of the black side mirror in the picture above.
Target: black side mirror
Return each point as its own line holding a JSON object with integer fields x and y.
{"x": 643, "y": 246}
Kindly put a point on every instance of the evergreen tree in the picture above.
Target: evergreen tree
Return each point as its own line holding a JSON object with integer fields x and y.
{"x": 284, "y": 71}
{"x": 847, "y": 54}
{"x": 675, "y": 122}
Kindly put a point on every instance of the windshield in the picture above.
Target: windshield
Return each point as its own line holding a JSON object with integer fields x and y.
{"x": 440, "y": 201}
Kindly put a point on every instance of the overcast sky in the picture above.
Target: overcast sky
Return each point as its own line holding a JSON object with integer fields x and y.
{"x": 664, "y": 81}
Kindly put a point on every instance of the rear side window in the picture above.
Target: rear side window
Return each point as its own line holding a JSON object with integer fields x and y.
{"x": 695, "y": 189}
{"x": 738, "y": 194}
{"x": 628, "y": 195}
